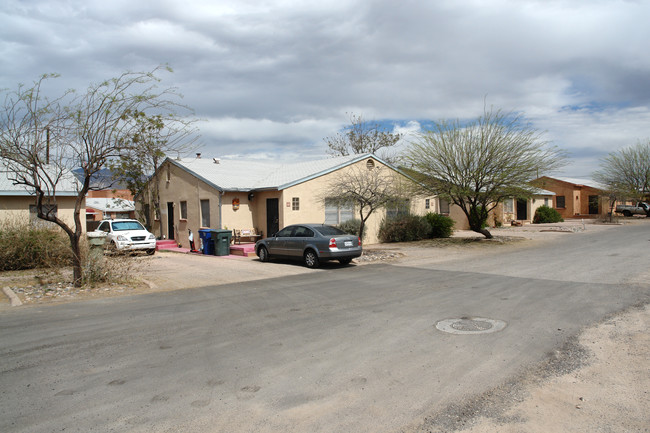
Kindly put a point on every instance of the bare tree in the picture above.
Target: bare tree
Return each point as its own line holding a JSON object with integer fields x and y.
{"x": 361, "y": 137}
{"x": 42, "y": 140}
{"x": 367, "y": 188}
{"x": 477, "y": 164}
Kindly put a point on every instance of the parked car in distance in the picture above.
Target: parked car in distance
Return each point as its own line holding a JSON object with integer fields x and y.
{"x": 641, "y": 208}
{"x": 311, "y": 243}
{"x": 126, "y": 235}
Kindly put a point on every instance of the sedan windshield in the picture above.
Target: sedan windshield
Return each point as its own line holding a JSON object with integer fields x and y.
{"x": 119, "y": 226}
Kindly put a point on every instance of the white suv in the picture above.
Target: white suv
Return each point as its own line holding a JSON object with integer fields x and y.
{"x": 126, "y": 235}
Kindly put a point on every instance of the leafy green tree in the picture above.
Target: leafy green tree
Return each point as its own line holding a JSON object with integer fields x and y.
{"x": 479, "y": 163}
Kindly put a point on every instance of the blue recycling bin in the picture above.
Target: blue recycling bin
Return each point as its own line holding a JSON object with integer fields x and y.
{"x": 206, "y": 240}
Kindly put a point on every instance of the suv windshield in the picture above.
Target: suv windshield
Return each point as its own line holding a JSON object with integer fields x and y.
{"x": 119, "y": 226}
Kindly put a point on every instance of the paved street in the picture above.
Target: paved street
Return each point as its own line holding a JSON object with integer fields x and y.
{"x": 340, "y": 349}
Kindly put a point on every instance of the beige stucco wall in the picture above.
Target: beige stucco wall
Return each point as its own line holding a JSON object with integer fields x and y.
{"x": 183, "y": 186}
{"x": 17, "y": 207}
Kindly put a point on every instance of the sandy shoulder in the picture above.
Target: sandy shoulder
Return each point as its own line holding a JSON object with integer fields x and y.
{"x": 610, "y": 393}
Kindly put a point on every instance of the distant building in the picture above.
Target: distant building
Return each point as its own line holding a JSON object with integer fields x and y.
{"x": 575, "y": 198}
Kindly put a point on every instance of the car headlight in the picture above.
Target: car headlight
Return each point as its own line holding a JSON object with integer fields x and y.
{"x": 152, "y": 237}
{"x": 122, "y": 238}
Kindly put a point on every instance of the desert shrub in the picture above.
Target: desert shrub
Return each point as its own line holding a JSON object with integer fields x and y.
{"x": 352, "y": 227}
{"x": 25, "y": 246}
{"x": 405, "y": 228}
{"x": 441, "y": 226}
{"x": 100, "y": 268}
{"x": 545, "y": 214}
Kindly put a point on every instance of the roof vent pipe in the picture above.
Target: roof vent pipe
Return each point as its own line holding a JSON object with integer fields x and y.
{"x": 198, "y": 155}
{"x": 216, "y": 160}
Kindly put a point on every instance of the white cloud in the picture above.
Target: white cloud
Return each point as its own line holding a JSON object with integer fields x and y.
{"x": 275, "y": 77}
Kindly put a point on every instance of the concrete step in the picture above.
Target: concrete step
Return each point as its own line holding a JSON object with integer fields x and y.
{"x": 166, "y": 244}
{"x": 245, "y": 250}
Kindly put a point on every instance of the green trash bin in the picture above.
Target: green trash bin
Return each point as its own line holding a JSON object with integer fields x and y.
{"x": 221, "y": 240}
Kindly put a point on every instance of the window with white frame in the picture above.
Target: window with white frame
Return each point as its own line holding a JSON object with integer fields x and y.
{"x": 508, "y": 205}
{"x": 205, "y": 213}
{"x": 336, "y": 213}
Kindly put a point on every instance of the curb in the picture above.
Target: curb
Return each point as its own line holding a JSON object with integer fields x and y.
{"x": 15, "y": 300}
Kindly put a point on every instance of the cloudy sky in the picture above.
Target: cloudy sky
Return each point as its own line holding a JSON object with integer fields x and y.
{"x": 272, "y": 78}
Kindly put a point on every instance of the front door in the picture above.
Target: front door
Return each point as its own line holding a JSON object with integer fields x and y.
{"x": 272, "y": 216}
{"x": 170, "y": 220}
{"x": 522, "y": 209}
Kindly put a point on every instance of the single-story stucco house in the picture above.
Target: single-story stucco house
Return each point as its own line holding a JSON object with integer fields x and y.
{"x": 575, "y": 198}
{"x": 259, "y": 195}
{"x": 18, "y": 203}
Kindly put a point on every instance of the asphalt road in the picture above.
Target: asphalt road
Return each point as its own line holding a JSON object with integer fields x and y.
{"x": 337, "y": 350}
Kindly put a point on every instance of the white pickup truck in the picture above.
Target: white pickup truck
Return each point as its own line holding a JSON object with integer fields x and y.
{"x": 641, "y": 208}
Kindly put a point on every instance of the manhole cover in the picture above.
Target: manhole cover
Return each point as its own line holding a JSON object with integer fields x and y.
{"x": 470, "y": 325}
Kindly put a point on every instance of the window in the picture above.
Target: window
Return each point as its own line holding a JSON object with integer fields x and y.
{"x": 444, "y": 206}
{"x": 295, "y": 203}
{"x": 560, "y": 202}
{"x": 205, "y": 213}
{"x": 508, "y": 205}
{"x": 285, "y": 232}
{"x": 338, "y": 213}
{"x": 427, "y": 203}
{"x": 183, "y": 210}
{"x": 398, "y": 209}
{"x": 48, "y": 209}
{"x": 546, "y": 202}
{"x": 303, "y": 232}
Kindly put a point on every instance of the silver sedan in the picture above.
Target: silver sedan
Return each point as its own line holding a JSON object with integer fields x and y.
{"x": 311, "y": 243}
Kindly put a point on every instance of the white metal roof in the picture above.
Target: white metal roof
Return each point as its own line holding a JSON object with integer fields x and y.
{"x": 578, "y": 181}
{"x": 110, "y": 204}
{"x": 66, "y": 186}
{"x": 246, "y": 175}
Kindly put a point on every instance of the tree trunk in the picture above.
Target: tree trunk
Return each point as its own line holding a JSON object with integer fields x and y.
{"x": 484, "y": 232}
{"x": 77, "y": 275}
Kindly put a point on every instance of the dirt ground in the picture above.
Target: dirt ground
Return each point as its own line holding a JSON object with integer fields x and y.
{"x": 600, "y": 382}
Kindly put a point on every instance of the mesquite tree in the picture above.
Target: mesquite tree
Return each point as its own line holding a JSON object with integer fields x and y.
{"x": 479, "y": 163}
